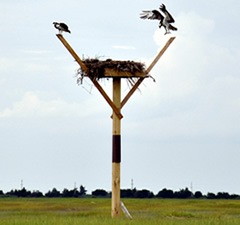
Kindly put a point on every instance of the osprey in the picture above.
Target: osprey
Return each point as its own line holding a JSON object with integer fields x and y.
{"x": 164, "y": 21}
{"x": 61, "y": 27}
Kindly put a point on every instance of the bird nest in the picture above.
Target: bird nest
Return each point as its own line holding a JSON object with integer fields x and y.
{"x": 98, "y": 69}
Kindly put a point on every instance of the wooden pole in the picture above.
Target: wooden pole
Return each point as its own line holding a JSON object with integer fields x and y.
{"x": 116, "y": 149}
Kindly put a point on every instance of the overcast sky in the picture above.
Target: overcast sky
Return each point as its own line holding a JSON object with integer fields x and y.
{"x": 182, "y": 129}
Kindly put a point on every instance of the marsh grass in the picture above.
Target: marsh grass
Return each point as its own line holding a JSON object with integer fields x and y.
{"x": 61, "y": 211}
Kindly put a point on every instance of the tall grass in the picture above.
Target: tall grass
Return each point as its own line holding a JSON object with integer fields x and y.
{"x": 46, "y": 211}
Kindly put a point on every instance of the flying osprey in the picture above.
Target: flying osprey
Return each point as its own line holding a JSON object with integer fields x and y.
{"x": 156, "y": 15}
{"x": 61, "y": 27}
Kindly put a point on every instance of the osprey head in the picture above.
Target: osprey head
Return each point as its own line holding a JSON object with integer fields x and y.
{"x": 160, "y": 24}
{"x": 162, "y": 7}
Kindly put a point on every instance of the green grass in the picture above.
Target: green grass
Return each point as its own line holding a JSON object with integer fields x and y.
{"x": 46, "y": 211}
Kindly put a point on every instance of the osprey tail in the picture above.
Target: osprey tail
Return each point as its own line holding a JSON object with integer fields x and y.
{"x": 171, "y": 27}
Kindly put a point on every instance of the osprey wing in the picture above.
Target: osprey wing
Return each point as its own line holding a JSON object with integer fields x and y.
{"x": 169, "y": 17}
{"x": 64, "y": 27}
{"x": 151, "y": 15}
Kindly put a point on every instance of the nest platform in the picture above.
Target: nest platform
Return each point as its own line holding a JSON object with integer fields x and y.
{"x": 111, "y": 68}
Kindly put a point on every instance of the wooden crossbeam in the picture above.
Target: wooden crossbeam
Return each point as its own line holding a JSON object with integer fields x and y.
{"x": 114, "y": 73}
{"x": 140, "y": 80}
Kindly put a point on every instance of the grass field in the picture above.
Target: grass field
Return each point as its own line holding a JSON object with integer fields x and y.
{"x": 46, "y": 211}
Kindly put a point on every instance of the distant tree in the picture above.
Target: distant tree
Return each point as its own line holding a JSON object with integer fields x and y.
{"x": 211, "y": 195}
{"x": 9, "y": 193}
{"x": 70, "y": 193}
{"x": 143, "y": 194}
{"x": 66, "y": 193}
{"x": 165, "y": 193}
{"x": 36, "y": 194}
{"x": 24, "y": 193}
{"x": 198, "y": 194}
{"x": 223, "y": 195}
{"x": 127, "y": 193}
{"x": 53, "y": 194}
{"x": 183, "y": 193}
{"x": 1, "y": 193}
{"x": 19, "y": 193}
{"x": 99, "y": 193}
{"x": 82, "y": 191}
{"x": 234, "y": 196}
{"x": 75, "y": 193}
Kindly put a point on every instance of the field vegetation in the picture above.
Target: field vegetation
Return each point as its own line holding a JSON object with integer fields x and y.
{"x": 88, "y": 211}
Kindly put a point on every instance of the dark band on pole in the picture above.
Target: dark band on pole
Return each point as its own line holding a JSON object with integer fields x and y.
{"x": 116, "y": 149}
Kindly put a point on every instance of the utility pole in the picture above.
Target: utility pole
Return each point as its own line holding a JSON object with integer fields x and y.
{"x": 116, "y": 149}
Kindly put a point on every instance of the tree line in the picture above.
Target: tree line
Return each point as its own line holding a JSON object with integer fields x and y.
{"x": 125, "y": 193}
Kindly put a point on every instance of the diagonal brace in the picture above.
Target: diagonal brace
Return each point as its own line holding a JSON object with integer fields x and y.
{"x": 136, "y": 85}
{"x": 72, "y": 52}
{"x": 83, "y": 66}
{"x": 109, "y": 101}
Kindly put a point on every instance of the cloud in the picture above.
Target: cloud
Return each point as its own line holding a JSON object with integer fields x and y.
{"x": 12, "y": 65}
{"x": 31, "y": 105}
{"x": 193, "y": 25}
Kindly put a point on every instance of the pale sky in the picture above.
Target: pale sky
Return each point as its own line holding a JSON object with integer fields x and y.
{"x": 183, "y": 129}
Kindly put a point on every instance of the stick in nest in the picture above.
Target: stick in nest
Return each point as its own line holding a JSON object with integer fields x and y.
{"x": 96, "y": 68}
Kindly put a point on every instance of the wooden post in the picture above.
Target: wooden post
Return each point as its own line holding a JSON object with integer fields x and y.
{"x": 116, "y": 105}
{"x": 116, "y": 149}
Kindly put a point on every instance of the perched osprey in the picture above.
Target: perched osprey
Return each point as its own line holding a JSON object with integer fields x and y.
{"x": 61, "y": 27}
{"x": 164, "y": 21}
